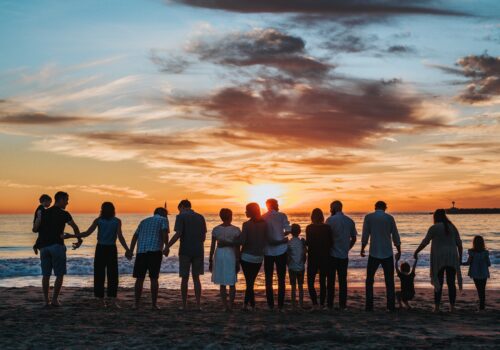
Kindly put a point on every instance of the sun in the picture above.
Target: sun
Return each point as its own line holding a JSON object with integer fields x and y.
{"x": 260, "y": 193}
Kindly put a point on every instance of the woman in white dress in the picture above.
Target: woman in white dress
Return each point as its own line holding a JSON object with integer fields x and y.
{"x": 225, "y": 259}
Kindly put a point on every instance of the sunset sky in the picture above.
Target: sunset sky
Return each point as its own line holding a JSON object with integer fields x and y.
{"x": 224, "y": 102}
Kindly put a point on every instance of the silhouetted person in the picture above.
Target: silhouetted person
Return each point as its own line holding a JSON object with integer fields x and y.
{"x": 109, "y": 228}
{"x": 407, "y": 279}
{"x": 446, "y": 256}
{"x": 151, "y": 238}
{"x": 319, "y": 242}
{"x": 479, "y": 261}
{"x": 253, "y": 239}
{"x": 380, "y": 229}
{"x": 50, "y": 225}
{"x": 343, "y": 239}
{"x": 191, "y": 229}
{"x": 45, "y": 202}
{"x": 275, "y": 252}
{"x": 296, "y": 264}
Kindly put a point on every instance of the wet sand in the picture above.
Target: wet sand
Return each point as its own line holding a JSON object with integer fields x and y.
{"x": 79, "y": 323}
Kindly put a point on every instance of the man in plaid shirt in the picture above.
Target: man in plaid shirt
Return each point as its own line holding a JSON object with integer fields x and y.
{"x": 151, "y": 238}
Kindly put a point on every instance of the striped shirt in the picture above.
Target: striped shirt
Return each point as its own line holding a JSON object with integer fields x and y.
{"x": 149, "y": 234}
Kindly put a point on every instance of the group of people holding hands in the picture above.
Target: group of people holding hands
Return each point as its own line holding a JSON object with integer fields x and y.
{"x": 263, "y": 239}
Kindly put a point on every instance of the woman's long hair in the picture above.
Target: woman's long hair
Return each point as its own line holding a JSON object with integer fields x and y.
{"x": 253, "y": 211}
{"x": 317, "y": 216}
{"x": 440, "y": 216}
{"x": 478, "y": 244}
{"x": 107, "y": 210}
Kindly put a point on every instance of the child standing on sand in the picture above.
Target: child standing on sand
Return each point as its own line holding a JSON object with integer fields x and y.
{"x": 45, "y": 202}
{"x": 224, "y": 260}
{"x": 296, "y": 261}
{"x": 478, "y": 262}
{"x": 407, "y": 279}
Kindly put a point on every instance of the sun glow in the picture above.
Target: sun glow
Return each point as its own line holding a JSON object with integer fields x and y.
{"x": 260, "y": 193}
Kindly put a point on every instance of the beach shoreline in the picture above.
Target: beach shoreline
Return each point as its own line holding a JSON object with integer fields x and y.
{"x": 80, "y": 323}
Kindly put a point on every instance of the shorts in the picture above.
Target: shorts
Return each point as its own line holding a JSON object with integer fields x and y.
{"x": 185, "y": 263}
{"x": 149, "y": 261}
{"x": 53, "y": 257}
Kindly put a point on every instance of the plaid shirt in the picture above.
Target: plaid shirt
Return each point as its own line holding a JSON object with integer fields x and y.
{"x": 149, "y": 234}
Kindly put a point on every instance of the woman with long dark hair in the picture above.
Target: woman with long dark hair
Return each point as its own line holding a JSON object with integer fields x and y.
{"x": 319, "y": 242}
{"x": 446, "y": 257}
{"x": 109, "y": 228}
{"x": 253, "y": 240}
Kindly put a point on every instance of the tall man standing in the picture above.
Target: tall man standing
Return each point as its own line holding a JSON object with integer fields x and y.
{"x": 50, "y": 225}
{"x": 151, "y": 238}
{"x": 343, "y": 239}
{"x": 380, "y": 228}
{"x": 275, "y": 252}
{"x": 191, "y": 229}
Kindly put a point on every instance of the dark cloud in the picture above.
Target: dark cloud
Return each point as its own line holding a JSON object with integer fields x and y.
{"x": 311, "y": 116}
{"x": 261, "y": 47}
{"x": 327, "y": 8}
{"x": 42, "y": 119}
{"x": 451, "y": 159}
{"x": 327, "y": 163}
{"x": 169, "y": 63}
{"x": 401, "y": 49}
{"x": 483, "y": 77}
{"x": 130, "y": 140}
{"x": 351, "y": 43}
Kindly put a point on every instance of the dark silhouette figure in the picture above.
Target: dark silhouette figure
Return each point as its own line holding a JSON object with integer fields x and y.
{"x": 478, "y": 262}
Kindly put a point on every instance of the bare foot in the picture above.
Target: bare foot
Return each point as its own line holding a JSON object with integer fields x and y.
{"x": 56, "y": 303}
{"x": 452, "y": 308}
{"x": 436, "y": 309}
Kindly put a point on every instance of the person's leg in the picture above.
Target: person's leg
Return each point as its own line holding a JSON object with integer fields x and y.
{"x": 59, "y": 264}
{"x": 232, "y": 296}
{"x": 184, "y": 270}
{"x": 481, "y": 291}
{"x": 398, "y": 298}
{"x": 197, "y": 290}
{"x": 330, "y": 284}
{"x": 99, "y": 272}
{"x": 269, "y": 272}
{"x": 323, "y": 274}
{"x": 371, "y": 269}
{"x": 293, "y": 285}
{"x": 254, "y": 271}
{"x": 312, "y": 269}
{"x": 342, "y": 272}
{"x": 388, "y": 266}
{"x": 438, "y": 290}
{"x": 46, "y": 266}
{"x": 112, "y": 272}
{"x": 46, "y": 289}
{"x": 184, "y": 291}
{"x": 452, "y": 289}
{"x": 245, "y": 266}
{"x": 154, "y": 292}
{"x": 139, "y": 283}
{"x": 300, "y": 285}
{"x": 281, "y": 271}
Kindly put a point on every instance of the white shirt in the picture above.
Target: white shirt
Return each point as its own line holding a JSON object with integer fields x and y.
{"x": 343, "y": 229}
{"x": 277, "y": 224}
{"x": 380, "y": 227}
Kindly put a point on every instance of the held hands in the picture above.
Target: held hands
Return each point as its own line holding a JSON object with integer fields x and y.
{"x": 398, "y": 256}
{"x": 129, "y": 254}
{"x": 166, "y": 251}
{"x": 415, "y": 256}
{"x": 77, "y": 244}
{"x": 362, "y": 252}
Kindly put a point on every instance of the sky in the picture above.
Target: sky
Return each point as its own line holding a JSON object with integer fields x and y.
{"x": 226, "y": 102}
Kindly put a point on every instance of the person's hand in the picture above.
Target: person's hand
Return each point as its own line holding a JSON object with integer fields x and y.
{"x": 166, "y": 251}
{"x": 398, "y": 256}
{"x": 210, "y": 266}
{"x": 77, "y": 244}
{"x": 415, "y": 255}
{"x": 363, "y": 252}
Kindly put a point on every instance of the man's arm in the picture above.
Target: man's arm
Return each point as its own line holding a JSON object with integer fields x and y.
{"x": 164, "y": 235}
{"x": 174, "y": 239}
{"x": 130, "y": 253}
{"x": 354, "y": 235}
{"x": 287, "y": 228}
{"x": 395, "y": 238}
{"x": 365, "y": 236}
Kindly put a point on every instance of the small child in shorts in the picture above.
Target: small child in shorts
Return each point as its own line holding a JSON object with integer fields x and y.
{"x": 296, "y": 260}
{"x": 407, "y": 279}
{"x": 45, "y": 202}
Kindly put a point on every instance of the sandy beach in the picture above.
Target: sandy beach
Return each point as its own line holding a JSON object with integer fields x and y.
{"x": 80, "y": 324}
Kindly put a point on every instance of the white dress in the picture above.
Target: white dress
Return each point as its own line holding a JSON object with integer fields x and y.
{"x": 224, "y": 265}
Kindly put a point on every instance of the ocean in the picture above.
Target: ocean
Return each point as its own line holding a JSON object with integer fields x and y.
{"x": 20, "y": 267}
